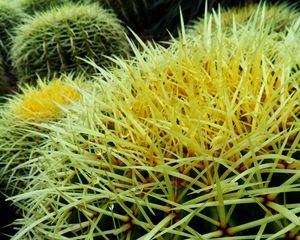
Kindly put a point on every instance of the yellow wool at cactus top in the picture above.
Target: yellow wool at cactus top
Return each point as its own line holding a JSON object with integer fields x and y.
{"x": 43, "y": 103}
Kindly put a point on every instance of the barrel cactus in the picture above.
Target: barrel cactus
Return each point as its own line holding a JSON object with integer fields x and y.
{"x": 21, "y": 137}
{"x": 33, "y": 6}
{"x": 10, "y": 17}
{"x": 57, "y": 40}
{"x": 277, "y": 17}
{"x": 196, "y": 141}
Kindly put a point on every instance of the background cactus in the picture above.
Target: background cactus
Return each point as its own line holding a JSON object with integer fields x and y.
{"x": 10, "y": 17}
{"x": 278, "y": 17}
{"x": 54, "y": 41}
{"x": 197, "y": 141}
{"x": 33, "y": 6}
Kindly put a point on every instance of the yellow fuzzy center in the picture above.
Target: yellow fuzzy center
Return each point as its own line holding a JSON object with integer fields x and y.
{"x": 44, "y": 103}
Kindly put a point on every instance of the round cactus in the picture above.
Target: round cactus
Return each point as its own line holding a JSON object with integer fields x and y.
{"x": 197, "y": 141}
{"x": 21, "y": 136}
{"x": 56, "y": 40}
{"x": 10, "y": 17}
{"x": 33, "y": 6}
{"x": 277, "y": 17}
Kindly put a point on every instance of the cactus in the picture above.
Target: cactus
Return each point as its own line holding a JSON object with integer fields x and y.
{"x": 33, "y": 6}
{"x": 277, "y": 17}
{"x": 21, "y": 137}
{"x": 56, "y": 40}
{"x": 10, "y": 17}
{"x": 196, "y": 141}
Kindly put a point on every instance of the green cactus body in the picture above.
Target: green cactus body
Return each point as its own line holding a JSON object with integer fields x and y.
{"x": 196, "y": 141}
{"x": 54, "y": 41}
{"x": 10, "y": 17}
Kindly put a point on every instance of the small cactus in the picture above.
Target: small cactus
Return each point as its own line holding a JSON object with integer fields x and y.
{"x": 33, "y": 6}
{"x": 196, "y": 141}
{"x": 21, "y": 136}
{"x": 56, "y": 40}
{"x": 10, "y": 17}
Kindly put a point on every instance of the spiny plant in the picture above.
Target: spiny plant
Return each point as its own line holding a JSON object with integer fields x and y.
{"x": 10, "y": 17}
{"x": 20, "y": 137}
{"x": 33, "y": 6}
{"x": 57, "y": 40}
{"x": 277, "y": 17}
{"x": 196, "y": 141}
